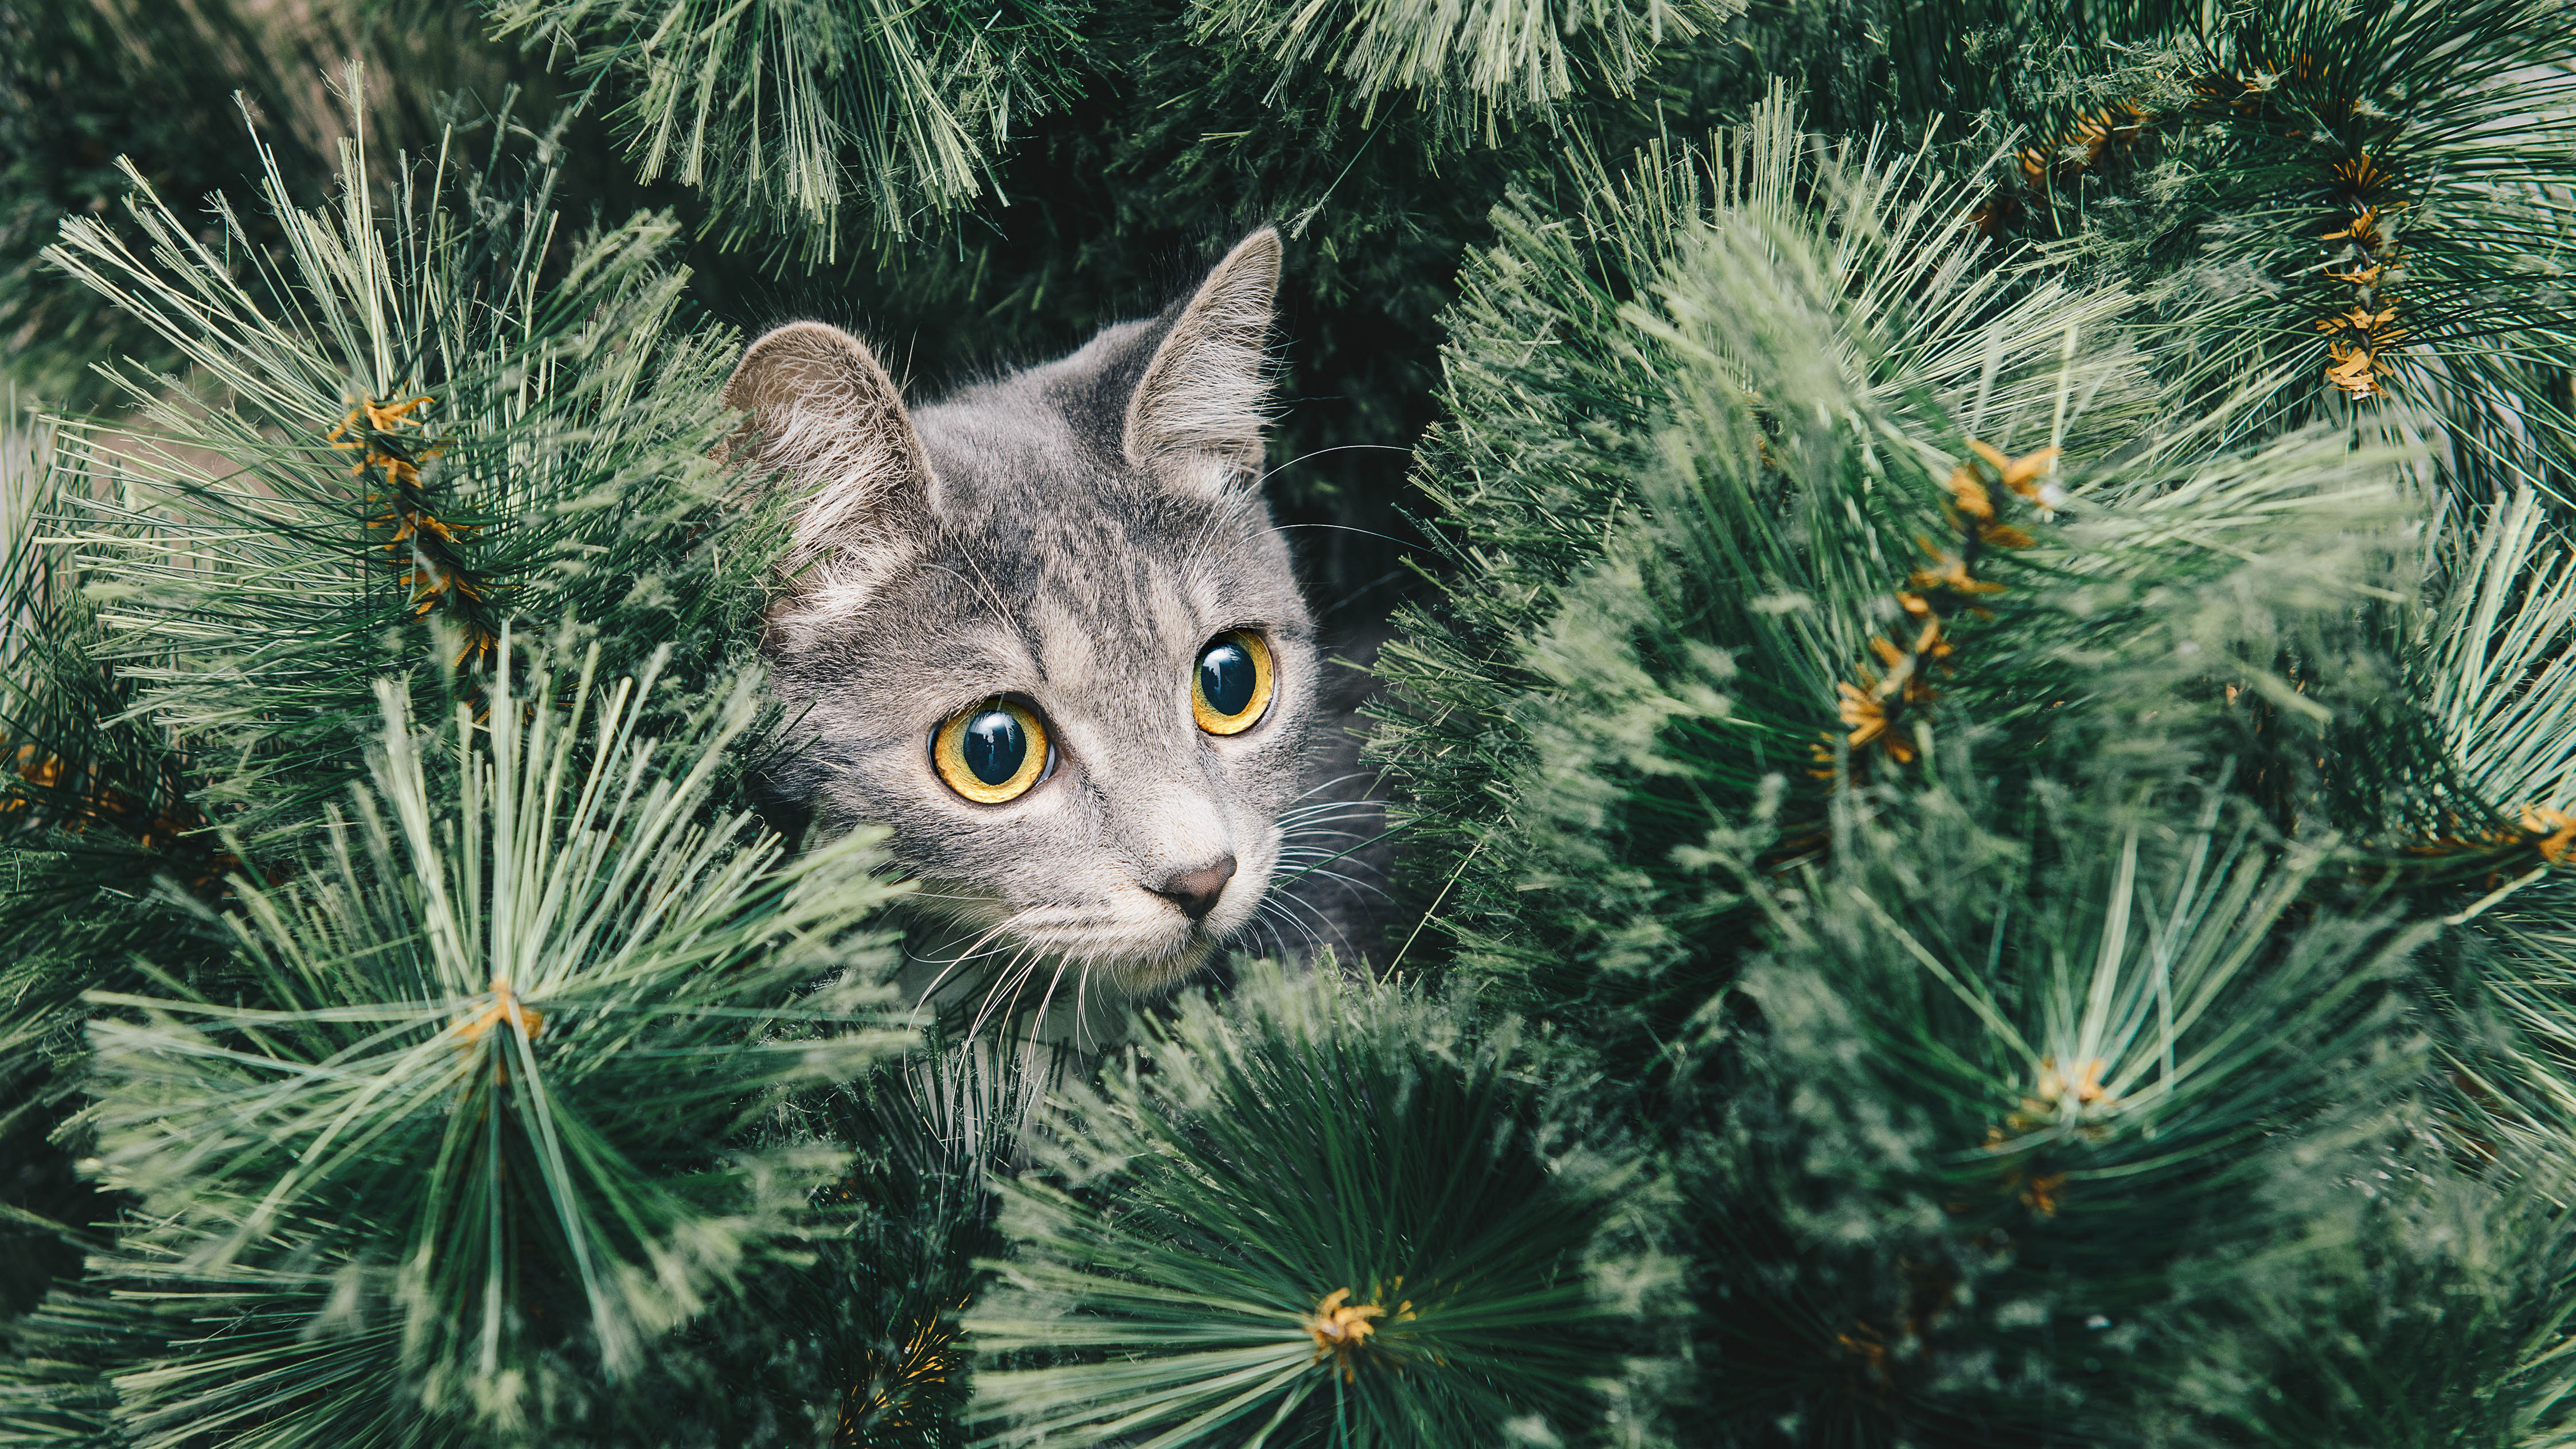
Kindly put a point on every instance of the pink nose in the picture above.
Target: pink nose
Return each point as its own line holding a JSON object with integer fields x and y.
{"x": 1196, "y": 891}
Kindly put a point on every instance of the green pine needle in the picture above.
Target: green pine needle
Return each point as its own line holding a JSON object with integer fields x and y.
{"x": 2492, "y": 657}
{"x": 1318, "y": 1213}
{"x": 438, "y": 416}
{"x": 480, "y": 1095}
{"x": 1475, "y": 64}
{"x": 791, "y": 113}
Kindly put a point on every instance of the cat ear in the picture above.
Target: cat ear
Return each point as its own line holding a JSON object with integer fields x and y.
{"x": 821, "y": 409}
{"x": 1195, "y": 418}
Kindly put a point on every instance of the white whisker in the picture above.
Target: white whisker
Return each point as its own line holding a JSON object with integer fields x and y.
{"x": 1319, "y": 873}
{"x": 1328, "y": 784}
{"x": 1046, "y": 999}
{"x": 1009, "y": 977}
{"x": 1319, "y": 915}
{"x": 1317, "y": 852}
{"x": 1257, "y": 923}
{"x": 930, "y": 994}
{"x": 1081, "y": 1015}
{"x": 1339, "y": 825}
{"x": 1339, "y": 448}
{"x": 1328, "y": 810}
{"x": 1326, "y": 829}
{"x": 1271, "y": 906}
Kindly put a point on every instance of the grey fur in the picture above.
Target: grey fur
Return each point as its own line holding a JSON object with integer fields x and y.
{"x": 1072, "y": 534}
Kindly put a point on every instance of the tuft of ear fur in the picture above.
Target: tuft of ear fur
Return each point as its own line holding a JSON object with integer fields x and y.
{"x": 823, "y": 411}
{"x": 1195, "y": 419}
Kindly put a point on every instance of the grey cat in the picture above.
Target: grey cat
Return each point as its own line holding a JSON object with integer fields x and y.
{"x": 1047, "y": 632}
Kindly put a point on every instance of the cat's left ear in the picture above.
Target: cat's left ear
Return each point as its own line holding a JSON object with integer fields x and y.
{"x": 1195, "y": 418}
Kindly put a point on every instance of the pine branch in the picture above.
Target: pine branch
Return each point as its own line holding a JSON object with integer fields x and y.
{"x": 2357, "y": 206}
{"x": 436, "y": 422}
{"x": 2491, "y": 650}
{"x": 1475, "y": 66}
{"x": 791, "y": 114}
{"x": 2026, "y": 1111}
{"x": 1788, "y": 543}
{"x": 480, "y": 1107}
{"x": 1320, "y": 1210}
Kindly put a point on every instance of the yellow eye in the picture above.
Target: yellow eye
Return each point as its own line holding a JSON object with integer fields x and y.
{"x": 1231, "y": 689}
{"x": 993, "y": 752}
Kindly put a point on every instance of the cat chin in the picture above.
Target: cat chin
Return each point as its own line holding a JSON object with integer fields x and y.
{"x": 1140, "y": 978}
{"x": 1133, "y": 969}
{"x": 958, "y": 960}
{"x": 1147, "y": 958}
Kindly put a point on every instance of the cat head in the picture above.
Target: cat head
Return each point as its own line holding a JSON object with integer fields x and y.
{"x": 1046, "y": 632}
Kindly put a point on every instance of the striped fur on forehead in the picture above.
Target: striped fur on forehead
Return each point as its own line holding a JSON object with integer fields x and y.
{"x": 1071, "y": 537}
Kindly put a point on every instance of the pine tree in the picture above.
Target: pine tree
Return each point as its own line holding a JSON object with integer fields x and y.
{"x": 1977, "y": 704}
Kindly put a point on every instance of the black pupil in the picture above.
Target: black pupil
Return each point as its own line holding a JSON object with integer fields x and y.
{"x": 1225, "y": 677}
{"x": 994, "y": 746}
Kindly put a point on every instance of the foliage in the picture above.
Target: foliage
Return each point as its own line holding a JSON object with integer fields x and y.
{"x": 2330, "y": 203}
{"x": 552, "y": 994}
{"x": 1313, "y": 1205}
{"x": 860, "y": 1344}
{"x": 82, "y": 86}
{"x": 89, "y": 86}
{"x": 1904, "y": 769}
{"x": 2401, "y": 175}
{"x": 1491, "y": 59}
{"x": 1672, "y": 675}
{"x": 424, "y": 426}
{"x": 1981, "y": 722}
{"x": 2367, "y": 1354}
{"x": 2051, "y": 1097}
{"x": 418, "y": 440}
{"x": 782, "y": 108}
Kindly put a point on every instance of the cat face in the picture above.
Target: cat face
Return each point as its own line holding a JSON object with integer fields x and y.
{"x": 1046, "y": 633}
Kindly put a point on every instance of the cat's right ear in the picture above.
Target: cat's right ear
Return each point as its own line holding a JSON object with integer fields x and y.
{"x": 822, "y": 416}
{"x": 1195, "y": 418}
